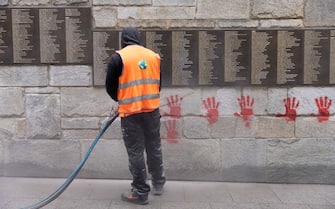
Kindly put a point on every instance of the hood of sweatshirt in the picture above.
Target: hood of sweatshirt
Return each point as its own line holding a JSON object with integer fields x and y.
{"x": 130, "y": 36}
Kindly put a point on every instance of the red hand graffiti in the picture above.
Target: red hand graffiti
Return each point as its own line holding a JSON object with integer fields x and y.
{"x": 246, "y": 105}
{"x": 290, "y": 109}
{"x": 323, "y": 104}
{"x": 174, "y": 103}
{"x": 172, "y": 134}
{"x": 212, "y": 109}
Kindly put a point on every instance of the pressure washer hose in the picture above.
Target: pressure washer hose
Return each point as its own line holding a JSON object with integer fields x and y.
{"x": 71, "y": 177}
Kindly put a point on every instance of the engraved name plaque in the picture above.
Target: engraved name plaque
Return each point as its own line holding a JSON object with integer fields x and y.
{"x": 237, "y": 68}
{"x": 332, "y": 58}
{"x": 211, "y": 57}
{"x": 78, "y": 36}
{"x": 316, "y": 53}
{"x": 6, "y": 47}
{"x": 290, "y": 57}
{"x": 184, "y": 58}
{"x": 52, "y": 36}
{"x": 161, "y": 43}
{"x": 25, "y": 32}
{"x": 105, "y": 43}
{"x": 263, "y": 59}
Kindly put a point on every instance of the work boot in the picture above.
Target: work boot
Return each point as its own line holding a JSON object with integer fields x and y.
{"x": 157, "y": 189}
{"x": 135, "y": 197}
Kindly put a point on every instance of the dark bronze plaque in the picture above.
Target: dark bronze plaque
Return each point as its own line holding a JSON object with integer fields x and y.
{"x": 64, "y": 36}
{"x": 264, "y": 58}
{"x": 290, "y": 57}
{"x": 316, "y": 56}
{"x": 78, "y": 35}
{"x": 332, "y": 58}
{"x": 6, "y": 47}
{"x": 26, "y": 43}
{"x": 211, "y": 57}
{"x": 52, "y": 36}
{"x": 105, "y": 43}
{"x": 185, "y": 58}
{"x": 161, "y": 43}
{"x": 237, "y": 57}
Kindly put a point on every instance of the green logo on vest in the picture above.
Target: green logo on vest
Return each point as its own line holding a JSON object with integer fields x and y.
{"x": 142, "y": 64}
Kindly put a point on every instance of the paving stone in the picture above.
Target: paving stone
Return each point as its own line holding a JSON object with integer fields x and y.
{"x": 8, "y": 128}
{"x": 246, "y": 164}
{"x": 79, "y": 75}
{"x": 100, "y": 20}
{"x": 4, "y": 2}
{"x": 24, "y": 76}
{"x": 252, "y": 193}
{"x": 238, "y": 23}
{"x": 108, "y": 160}
{"x": 150, "y": 13}
{"x": 80, "y": 123}
{"x": 192, "y": 159}
{"x": 260, "y": 97}
{"x": 274, "y": 127}
{"x": 230, "y": 9}
{"x": 299, "y": 194}
{"x": 30, "y": 2}
{"x": 311, "y": 128}
{"x": 228, "y": 100}
{"x": 42, "y": 90}
{"x": 207, "y": 192}
{"x": 2, "y": 167}
{"x": 293, "y": 23}
{"x": 278, "y": 9}
{"x": 114, "y": 131}
{"x": 122, "y": 2}
{"x": 81, "y": 101}
{"x": 185, "y": 99}
{"x": 174, "y": 3}
{"x": 300, "y": 161}
{"x": 70, "y": 2}
{"x": 225, "y": 127}
{"x": 185, "y": 205}
{"x": 306, "y": 97}
{"x": 195, "y": 128}
{"x": 43, "y": 116}
{"x": 275, "y": 100}
{"x": 12, "y": 101}
{"x": 41, "y": 158}
{"x": 319, "y": 13}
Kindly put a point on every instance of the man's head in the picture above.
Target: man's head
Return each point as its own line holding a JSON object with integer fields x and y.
{"x": 130, "y": 36}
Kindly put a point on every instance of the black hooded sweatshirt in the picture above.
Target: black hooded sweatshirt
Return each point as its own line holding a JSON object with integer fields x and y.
{"x": 129, "y": 36}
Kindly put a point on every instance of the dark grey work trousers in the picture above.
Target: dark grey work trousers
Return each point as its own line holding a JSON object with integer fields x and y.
{"x": 141, "y": 132}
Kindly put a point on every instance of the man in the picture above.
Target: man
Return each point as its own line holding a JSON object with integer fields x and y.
{"x": 134, "y": 80}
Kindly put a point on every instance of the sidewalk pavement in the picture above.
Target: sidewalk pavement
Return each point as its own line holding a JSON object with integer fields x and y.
{"x": 16, "y": 193}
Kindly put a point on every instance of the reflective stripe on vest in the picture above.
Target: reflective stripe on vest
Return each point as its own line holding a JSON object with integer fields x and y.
{"x": 139, "y": 98}
{"x": 137, "y": 82}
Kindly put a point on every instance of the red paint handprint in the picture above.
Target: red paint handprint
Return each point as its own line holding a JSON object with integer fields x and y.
{"x": 246, "y": 105}
{"x": 212, "y": 109}
{"x": 323, "y": 104}
{"x": 290, "y": 109}
{"x": 174, "y": 103}
{"x": 172, "y": 134}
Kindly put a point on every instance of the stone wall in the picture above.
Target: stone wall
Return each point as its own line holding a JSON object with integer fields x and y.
{"x": 50, "y": 114}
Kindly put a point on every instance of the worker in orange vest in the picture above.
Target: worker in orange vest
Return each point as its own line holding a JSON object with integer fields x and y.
{"x": 134, "y": 81}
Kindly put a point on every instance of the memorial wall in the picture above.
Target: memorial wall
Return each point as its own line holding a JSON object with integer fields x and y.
{"x": 64, "y": 36}
{"x": 248, "y": 87}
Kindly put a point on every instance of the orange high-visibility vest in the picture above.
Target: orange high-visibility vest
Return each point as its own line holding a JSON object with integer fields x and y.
{"x": 139, "y": 82}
